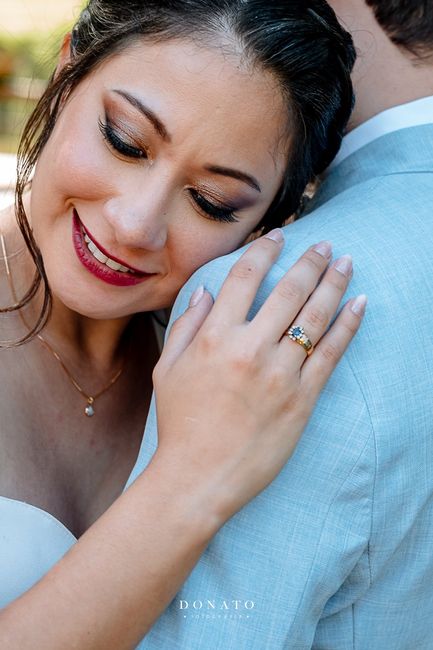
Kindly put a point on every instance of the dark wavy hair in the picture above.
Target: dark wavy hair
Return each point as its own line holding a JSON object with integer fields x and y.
{"x": 409, "y": 23}
{"x": 300, "y": 42}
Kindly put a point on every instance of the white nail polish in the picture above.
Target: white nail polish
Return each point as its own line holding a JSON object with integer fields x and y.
{"x": 196, "y": 296}
{"x": 276, "y": 235}
{"x": 359, "y": 305}
{"x": 324, "y": 248}
{"x": 344, "y": 265}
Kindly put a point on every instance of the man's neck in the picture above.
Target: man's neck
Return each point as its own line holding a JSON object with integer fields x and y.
{"x": 381, "y": 88}
{"x": 384, "y": 75}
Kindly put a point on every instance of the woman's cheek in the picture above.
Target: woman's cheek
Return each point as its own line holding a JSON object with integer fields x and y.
{"x": 82, "y": 170}
{"x": 206, "y": 243}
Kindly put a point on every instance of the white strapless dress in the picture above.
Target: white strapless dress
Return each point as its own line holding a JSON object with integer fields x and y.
{"x": 31, "y": 542}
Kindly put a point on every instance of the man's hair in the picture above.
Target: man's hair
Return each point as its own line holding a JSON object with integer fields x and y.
{"x": 409, "y": 23}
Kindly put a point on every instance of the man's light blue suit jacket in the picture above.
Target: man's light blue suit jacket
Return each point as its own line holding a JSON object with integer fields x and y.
{"x": 337, "y": 553}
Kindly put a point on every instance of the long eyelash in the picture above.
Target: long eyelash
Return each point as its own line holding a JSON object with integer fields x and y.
{"x": 110, "y": 135}
{"x": 217, "y": 212}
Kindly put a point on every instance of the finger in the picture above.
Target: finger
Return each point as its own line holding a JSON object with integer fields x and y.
{"x": 240, "y": 288}
{"x": 318, "y": 367}
{"x": 321, "y": 307}
{"x": 290, "y": 294}
{"x": 186, "y": 326}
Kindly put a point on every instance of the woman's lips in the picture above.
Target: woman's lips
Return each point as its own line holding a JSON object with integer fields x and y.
{"x": 115, "y": 259}
{"x": 97, "y": 268}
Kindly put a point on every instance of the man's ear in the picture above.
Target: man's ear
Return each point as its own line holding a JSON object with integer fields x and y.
{"x": 65, "y": 53}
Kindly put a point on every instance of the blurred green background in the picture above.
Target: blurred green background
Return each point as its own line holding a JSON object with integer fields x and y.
{"x": 30, "y": 35}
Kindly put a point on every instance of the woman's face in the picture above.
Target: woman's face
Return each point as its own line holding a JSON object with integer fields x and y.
{"x": 164, "y": 158}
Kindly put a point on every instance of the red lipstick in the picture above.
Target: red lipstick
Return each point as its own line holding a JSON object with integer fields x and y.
{"x": 97, "y": 268}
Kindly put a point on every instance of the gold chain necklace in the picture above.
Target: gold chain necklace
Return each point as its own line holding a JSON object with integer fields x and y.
{"x": 90, "y": 399}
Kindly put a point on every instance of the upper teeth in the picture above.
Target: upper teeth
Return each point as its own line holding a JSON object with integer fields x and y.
{"x": 103, "y": 258}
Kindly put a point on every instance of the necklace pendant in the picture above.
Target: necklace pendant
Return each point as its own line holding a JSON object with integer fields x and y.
{"x": 89, "y": 410}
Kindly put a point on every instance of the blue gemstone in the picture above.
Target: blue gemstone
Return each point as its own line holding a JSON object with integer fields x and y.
{"x": 297, "y": 331}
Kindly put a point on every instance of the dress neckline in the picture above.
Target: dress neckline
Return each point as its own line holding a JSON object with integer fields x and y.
{"x": 159, "y": 331}
{"x": 54, "y": 519}
{"x": 47, "y": 515}
{"x": 44, "y": 513}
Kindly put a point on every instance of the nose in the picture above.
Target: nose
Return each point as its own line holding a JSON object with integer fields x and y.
{"x": 139, "y": 219}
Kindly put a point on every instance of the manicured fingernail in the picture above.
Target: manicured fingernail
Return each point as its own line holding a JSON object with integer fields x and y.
{"x": 276, "y": 235}
{"x": 359, "y": 305}
{"x": 196, "y": 296}
{"x": 344, "y": 265}
{"x": 324, "y": 248}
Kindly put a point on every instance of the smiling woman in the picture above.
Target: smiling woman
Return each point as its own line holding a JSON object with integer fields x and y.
{"x": 160, "y": 190}
{"x": 169, "y": 132}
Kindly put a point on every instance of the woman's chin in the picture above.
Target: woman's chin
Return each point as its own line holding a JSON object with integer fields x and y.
{"x": 85, "y": 303}
{"x": 88, "y": 309}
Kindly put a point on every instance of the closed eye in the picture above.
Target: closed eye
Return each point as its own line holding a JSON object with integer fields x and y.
{"x": 116, "y": 142}
{"x": 216, "y": 212}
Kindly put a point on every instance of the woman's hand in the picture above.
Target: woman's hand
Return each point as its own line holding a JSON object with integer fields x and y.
{"x": 233, "y": 396}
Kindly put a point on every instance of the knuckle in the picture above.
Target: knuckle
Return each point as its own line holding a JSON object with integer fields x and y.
{"x": 351, "y": 325}
{"x": 330, "y": 352}
{"x": 317, "y": 317}
{"x": 244, "y": 360}
{"x": 290, "y": 289}
{"x": 301, "y": 405}
{"x": 278, "y": 379}
{"x": 211, "y": 339}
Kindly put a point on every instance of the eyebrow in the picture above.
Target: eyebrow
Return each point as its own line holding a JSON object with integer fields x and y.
{"x": 146, "y": 111}
{"x": 161, "y": 129}
{"x": 235, "y": 173}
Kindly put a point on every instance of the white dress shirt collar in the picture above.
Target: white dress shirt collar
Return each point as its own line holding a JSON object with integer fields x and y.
{"x": 414, "y": 113}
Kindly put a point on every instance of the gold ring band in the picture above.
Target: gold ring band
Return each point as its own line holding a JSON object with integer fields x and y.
{"x": 297, "y": 334}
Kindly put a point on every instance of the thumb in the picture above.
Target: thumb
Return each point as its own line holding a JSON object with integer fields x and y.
{"x": 186, "y": 326}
